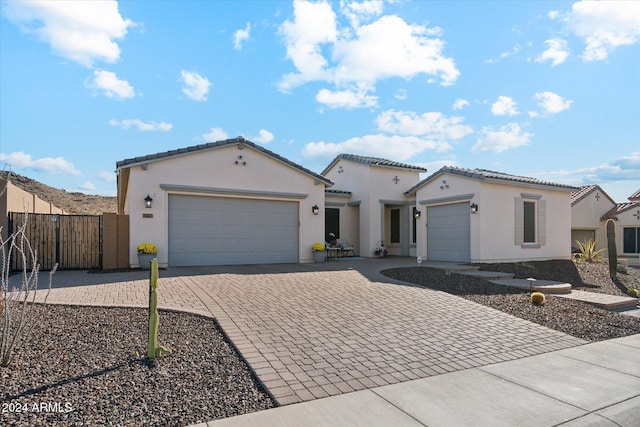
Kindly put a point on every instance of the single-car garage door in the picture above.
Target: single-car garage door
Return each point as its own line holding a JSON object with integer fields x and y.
{"x": 224, "y": 231}
{"x": 448, "y": 231}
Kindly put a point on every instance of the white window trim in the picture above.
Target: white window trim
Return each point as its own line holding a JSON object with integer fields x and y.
{"x": 540, "y": 221}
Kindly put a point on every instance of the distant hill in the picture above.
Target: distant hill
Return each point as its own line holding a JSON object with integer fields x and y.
{"x": 73, "y": 203}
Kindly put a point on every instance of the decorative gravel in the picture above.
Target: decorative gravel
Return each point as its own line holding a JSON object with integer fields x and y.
{"x": 86, "y": 366}
{"x": 572, "y": 317}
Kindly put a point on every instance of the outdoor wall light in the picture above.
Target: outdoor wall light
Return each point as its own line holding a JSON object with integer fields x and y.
{"x": 474, "y": 208}
{"x": 417, "y": 215}
{"x": 147, "y": 201}
{"x": 315, "y": 209}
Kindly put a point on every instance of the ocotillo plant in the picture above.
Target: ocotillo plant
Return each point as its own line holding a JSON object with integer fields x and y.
{"x": 153, "y": 349}
{"x": 611, "y": 248}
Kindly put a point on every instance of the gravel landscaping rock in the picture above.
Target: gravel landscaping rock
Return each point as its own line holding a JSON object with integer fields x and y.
{"x": 87, "y": 366}
{"x": 575, "y": 318}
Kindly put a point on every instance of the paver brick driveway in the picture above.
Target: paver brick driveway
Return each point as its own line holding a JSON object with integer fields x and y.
{"x": 310, "y": 331}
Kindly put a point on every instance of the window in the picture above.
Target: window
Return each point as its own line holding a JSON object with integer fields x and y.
{"x": 395, "y": 226}
{"x": 530, "y": 221}
{"x": 631, "y": 240}
{"x": 529, "y": 218}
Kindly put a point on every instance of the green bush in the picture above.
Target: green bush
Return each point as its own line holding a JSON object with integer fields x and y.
{"x": 587, "y": 251}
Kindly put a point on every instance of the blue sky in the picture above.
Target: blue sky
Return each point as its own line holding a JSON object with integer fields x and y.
{"x": 536, "y": 88}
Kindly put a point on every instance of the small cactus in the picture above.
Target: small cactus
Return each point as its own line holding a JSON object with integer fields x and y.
{"x": 633, "y": 293}
{"x": 538, "y": 298}
{"x": 153, "y": 349}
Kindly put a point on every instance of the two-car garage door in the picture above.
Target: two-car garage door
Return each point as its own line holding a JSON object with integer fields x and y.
{"x": 448, "y": 232}
{"x": 224, "y": 231}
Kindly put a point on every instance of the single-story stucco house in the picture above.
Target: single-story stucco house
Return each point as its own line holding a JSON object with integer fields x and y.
{"x": 591, "y": 207}
{"x": 235, "y": 202}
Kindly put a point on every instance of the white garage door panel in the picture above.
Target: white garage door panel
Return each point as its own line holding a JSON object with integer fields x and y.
{"x": 448, "y": 233}
{"x": 226, "y": 231}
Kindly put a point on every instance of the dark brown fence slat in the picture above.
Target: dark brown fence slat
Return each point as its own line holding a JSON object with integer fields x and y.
{"x": 73, "y": 239}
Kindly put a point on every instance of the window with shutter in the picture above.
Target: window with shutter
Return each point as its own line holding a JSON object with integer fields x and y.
{"x": 530, "y": 221}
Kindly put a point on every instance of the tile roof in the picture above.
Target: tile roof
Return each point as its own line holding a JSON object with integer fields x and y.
{"x": 373, "y": 161}
{"x": 618, "y": 209}
{"x": 585, "y": 190}
{"x": 635, "y": 197}
{"x": 212, "y": 145}
{"x": 488, "y": 175}
{"x": 337, "y": 192}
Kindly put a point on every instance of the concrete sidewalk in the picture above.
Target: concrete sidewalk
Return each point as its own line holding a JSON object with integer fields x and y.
{"x": 591, "y": 385}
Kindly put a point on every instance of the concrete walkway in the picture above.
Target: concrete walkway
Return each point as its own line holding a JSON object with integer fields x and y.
{"x": 341, "y": 329}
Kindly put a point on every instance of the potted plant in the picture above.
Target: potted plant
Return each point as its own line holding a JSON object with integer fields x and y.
{"x": 319, "y": 252}
{"x": 146, "y": 252}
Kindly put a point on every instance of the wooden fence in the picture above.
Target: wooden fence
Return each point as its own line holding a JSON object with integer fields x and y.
{"x": 71, "y": 241}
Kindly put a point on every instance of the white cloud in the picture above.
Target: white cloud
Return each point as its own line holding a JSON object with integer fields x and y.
{"x": 394, "y": 147}
{"x": 459, "y": 104}
{"x": 501, "y": 139}
{"x": 142, "y": 126}
{"x": 355, "y": 57}
{"x": 556, "y": 52}
{"x": 347, "y": 99}
{"x": 195, "y": 86}
{"x": 401, "y": 94}
{"x": 107, "y": 176}
{"x": 432, "y": 125}
{"x": 215, "y": 134}
{"x": 604, "y": 26}
{"x": 87, "y": 186}
{"x": 625, "y": 168}
{"x": 82, "y": 31}
{"x": 264, "y": 137}
{"x": 111, "y": 85}
{"x": 553, "y": 14}
{"x": 55, "y": 165}
{"x": 356, "y": 12}
{"x": 504, "y": 106}
{"x": 241, "y": 36}
{"x": 552, "y": 103}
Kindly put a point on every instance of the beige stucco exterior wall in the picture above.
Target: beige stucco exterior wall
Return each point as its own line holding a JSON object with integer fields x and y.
{"x": 215, "y": 173}
{"x": 15, "y": 199}
{"x": 492, "y": 228}
{"x": 586, "y": 214}
{"x": 372, "y": 186}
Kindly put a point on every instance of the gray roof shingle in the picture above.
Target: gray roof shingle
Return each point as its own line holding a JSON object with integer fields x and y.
{"x": 488, "y": 175}
{"x": 372, "y": 161}
{"x": 212, "y": 145}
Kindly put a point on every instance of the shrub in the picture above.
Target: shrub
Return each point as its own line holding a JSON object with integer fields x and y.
{"x": 147, "y": 248}
{"x": 537, "y": 298}
{"x": 318, "y": 246}
{"x": 622, "y": 269}
{"x": 633, "y": 293}
{"x": 587, "y": 251}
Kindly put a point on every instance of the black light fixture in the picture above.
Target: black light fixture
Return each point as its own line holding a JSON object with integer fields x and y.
{"x": 417, "y": 215}
{"x": 474, "y": 208}
{"x": 147, "y": 201}
{"x": 315, "y": 209}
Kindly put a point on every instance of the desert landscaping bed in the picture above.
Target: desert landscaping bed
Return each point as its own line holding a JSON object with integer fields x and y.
{"x": 86, "y": 365}
{"x": 575, "y": 318}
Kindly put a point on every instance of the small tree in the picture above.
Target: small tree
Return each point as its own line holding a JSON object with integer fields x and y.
{"x": 17, "y": 318}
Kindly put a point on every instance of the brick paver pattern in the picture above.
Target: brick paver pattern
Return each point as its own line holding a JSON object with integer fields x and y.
{"x": 312, "y": 334}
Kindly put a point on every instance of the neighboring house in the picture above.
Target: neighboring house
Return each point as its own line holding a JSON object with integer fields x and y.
{"x": 476, "y": 215}
{"x": 234, "y": 202}
{"x": 627, "y": 217}
{"x": 589, "y": 204}
{"x": 15, "y": 199}
{"x": 228, "y": 202}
